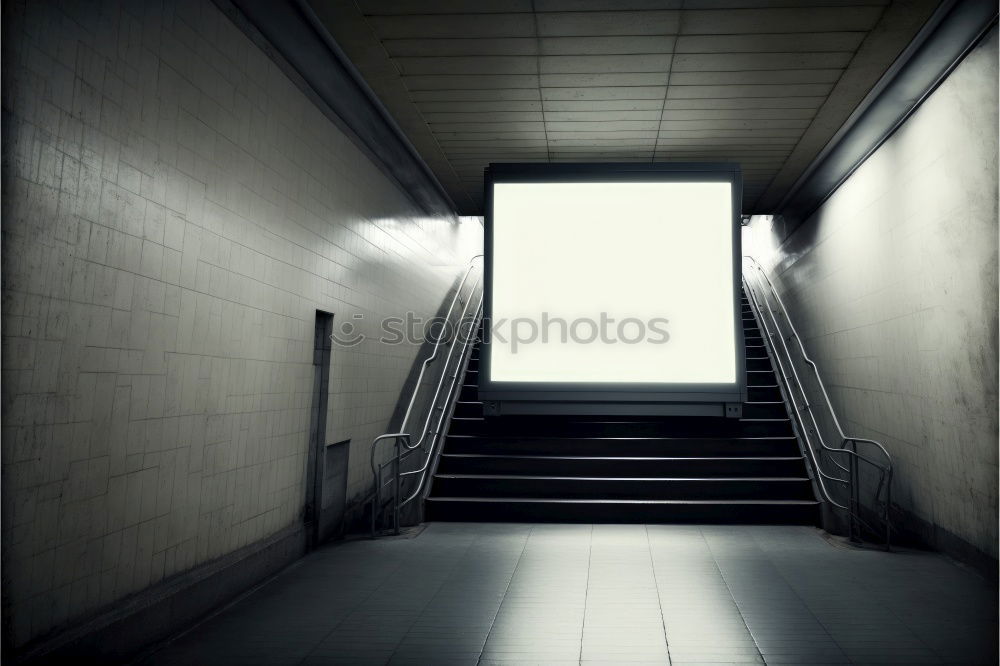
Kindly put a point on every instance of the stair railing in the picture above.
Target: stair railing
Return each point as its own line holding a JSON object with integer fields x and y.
{"x": 403, "y": 442}
{"x": 845, "y": 458}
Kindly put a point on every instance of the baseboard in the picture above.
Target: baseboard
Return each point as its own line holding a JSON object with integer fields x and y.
{"x": 910, "y": 529}
{"x": 123, "y": 629}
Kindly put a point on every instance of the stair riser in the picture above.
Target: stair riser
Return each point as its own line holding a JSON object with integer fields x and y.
{"x": 764, "y": 394}
{"x": 612, "y": 467}
{"x": 719, "y": 427}
{"x": 469, "y": 409}
{"x": 763, "y": 410}
{"x": 761, "y": 378}
{"x": 759, "y": 375}
{"x": 616, "y": 489}
{"x": 692, "y": 447}
{"x": 615, "y": 513}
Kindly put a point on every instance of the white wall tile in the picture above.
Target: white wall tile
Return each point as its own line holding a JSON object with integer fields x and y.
{"x": 176, "y": 211}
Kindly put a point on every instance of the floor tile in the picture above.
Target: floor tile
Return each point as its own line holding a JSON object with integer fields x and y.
{"x": 491, "y": 594}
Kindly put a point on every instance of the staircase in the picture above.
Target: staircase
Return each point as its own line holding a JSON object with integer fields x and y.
{"x": 627, "y": 469}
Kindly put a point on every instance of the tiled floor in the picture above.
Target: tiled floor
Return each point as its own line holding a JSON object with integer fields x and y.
{"x": 462, "y": 593}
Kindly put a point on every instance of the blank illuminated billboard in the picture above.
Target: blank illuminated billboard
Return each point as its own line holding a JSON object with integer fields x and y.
{"x": 613, "y": 282}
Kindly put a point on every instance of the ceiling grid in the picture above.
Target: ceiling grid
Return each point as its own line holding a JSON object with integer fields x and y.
{"x": 761, "y": 82}
{"x": 667, "y": 87}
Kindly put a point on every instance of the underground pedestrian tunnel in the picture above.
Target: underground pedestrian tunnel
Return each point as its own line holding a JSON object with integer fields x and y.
{"x": 500, "y": 332}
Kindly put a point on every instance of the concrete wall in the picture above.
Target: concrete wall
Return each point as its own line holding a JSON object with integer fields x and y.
{"x": 893, "y": 285}
{"x": 175, "y": 211}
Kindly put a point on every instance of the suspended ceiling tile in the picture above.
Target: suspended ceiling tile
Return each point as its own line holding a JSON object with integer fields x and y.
{"x": 617, "y": 45}
{"x": 404, "y": 7}
{"x": 810, "y": 42}
{"x": 461, "y": 46}
{"x": 761, "y": 77}
{"x": 600, "y": 126}
{"x": 436, "y": 118}
{"x": 799, "y": 115}
{"x": 604, "y": 93}
{"x": 811, "y": 103}
{"x": 601, "y": 24}
{"x": 601, "y": 116}
{"x": 497, "y": 106}
{"x": 732, "y": 124}
{"x": 442, "y": 128}
{"x": 450, "y": 25}
{"x": 604, "y": 5}
{"x": 471, "y": 81}
{"x": 786, "y": 19}
{"x": 737, "y": 62}
{"x": 743, "y": 91}
{"x": 474, "y": 94}
{"x": 579, "y": 64}
{"x": 602, "y": 106}
{"x": 452, "y": 65}
{"x": 603, "y": 80}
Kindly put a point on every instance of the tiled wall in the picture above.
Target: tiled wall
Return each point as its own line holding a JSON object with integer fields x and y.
{"x": 175, "y": 211}
{"x": 893, "y": 285}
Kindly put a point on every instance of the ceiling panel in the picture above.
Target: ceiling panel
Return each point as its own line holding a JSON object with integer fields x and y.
{"x": 605, "y": 23}
{"x": 805, "y": 42}
{"x": 761, "y": 82}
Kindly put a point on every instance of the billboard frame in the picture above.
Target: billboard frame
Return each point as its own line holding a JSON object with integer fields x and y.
{"x": 618, "y": 397}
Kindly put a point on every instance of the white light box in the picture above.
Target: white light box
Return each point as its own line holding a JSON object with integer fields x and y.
{"x": 612, "y": 282}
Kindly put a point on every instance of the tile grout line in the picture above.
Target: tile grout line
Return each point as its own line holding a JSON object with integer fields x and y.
{"x": 510, "y": 580}
{"x": 736, "y": 604}
{"x": 656, "y": 584}
{"x": 586, "y": 591}
{"x": 795, "y": 592}
{"x": 353, "y": 610}
{"x": 821, "y": 623}
{"x": 666, "y": 83}
{"x": 538, "y": 73}
{"x": 431, "y": 598}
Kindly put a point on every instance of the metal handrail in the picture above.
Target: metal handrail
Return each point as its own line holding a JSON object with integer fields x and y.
{"x": 822, "y": 476}
{"x": 398, "y": 438}
{"x": 437, "y": 343}
{"x": 852, "y": 482}
{"x": 451, "y": 392}
{"x": 403, "y": 442}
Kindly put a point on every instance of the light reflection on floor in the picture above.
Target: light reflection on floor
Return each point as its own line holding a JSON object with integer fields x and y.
{"x": 462, "y": 593}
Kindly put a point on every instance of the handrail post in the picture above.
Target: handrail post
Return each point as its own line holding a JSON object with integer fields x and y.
{"x": 885, "y": 512}
{"x": 377, "y": 499}
{"x": 855, "y": 494}
{"x": 395, "y": 492}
